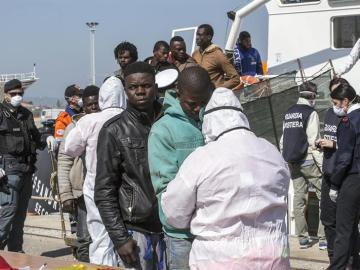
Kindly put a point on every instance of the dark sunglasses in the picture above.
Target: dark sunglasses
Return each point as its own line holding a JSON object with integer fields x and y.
{"x": 16, "y": 94}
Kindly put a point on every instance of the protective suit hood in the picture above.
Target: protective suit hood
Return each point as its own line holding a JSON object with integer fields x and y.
{"x": 112, "y": 94}
{"x": 222, "y": 113}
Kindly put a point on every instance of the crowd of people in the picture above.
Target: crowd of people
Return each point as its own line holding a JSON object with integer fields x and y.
{"x": 160, "y": 169}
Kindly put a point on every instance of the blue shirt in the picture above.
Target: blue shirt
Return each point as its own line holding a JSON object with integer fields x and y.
{"x": 70, "y": 111}
{"x": 247, "y": 62}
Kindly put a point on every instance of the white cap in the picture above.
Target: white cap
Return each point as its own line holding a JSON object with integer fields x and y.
{"x": 166, "y": 77}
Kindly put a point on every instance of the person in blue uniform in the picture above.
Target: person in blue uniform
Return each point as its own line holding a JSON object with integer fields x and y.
{"x": 301, "y": 129}
{"x": 247, "y": 59}
{"x": 328, "y": 145}
{"x": 345, "y": 179}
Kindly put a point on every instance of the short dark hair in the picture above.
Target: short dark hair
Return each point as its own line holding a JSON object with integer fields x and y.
{"x": 91, "y": 90}
{"x": 337, "y": 81}
{"x": 126, "y": 46}
{"x": 194, "y": 79}
{"x": 309, "y": 87}
{"x": 176, "y": 39}
{"x": 208, "y": 28}
{"x": 139, "y": 67}
{"x": 244, "y": 34}
{"x": 345, "y": 91}
{"x": 159, "y": 44}
{"x": 12, "y": 85}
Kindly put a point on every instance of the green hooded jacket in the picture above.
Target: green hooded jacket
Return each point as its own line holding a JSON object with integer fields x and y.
{"x": 172, "y": 138}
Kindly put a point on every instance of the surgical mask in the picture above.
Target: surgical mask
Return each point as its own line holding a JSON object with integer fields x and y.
{"x": 312, "y": 103}
{"x": 339, "y": 111}
{"x": 16, "y": 101}
{"x": 80, "y": 103}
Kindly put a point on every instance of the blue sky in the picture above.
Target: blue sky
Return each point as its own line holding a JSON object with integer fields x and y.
{"x": 53, "y": 34}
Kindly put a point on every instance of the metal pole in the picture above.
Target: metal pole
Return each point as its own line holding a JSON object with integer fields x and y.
{"x": 92, "y": 27}
{"x": 301, "y": 70}
{"x": 239, "y": 16}
{"x": 92, "y": 33}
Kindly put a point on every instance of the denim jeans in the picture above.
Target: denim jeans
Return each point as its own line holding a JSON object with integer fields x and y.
{"x": 13, "y": 209}
{"x": 178, "y": 251}
{"x": 150, "y": 252}
{"x": 82, "y": 233}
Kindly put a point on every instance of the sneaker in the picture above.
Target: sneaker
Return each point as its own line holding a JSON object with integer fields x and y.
{"x": 322, "y": 245}
{"x": 304, "y": 243}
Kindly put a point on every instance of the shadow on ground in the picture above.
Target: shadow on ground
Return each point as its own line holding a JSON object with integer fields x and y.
{"x": 57, "y": 252}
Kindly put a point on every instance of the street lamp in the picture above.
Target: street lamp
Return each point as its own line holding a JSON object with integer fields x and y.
{"x": 92, "y": 28}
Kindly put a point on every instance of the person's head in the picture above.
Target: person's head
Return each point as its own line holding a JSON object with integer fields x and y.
{"x": 194, "y": 90}
{"x": 125, "y": 53}
{"x": 13, "y": 92}
{"x": 308, "y": 90}
{"x": 73, "y": 95}
{"x": 343, "y": 97}
{"x": 204, "y": 35}
{"x": 178, "y": 49}
{"x": 336, "y": 82}
{"x": 166, "y": 79}
{"x": 222, "y": 114}
{"x": 161, "y": 51}
{"x": 90, "y": 99}
{"x": 140, "y": 85}
{"x": 245, "y": 40}
{"x": 112, "y": 94}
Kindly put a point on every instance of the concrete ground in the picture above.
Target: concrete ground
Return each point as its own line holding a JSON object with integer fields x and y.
{"x": 43, "y": 237}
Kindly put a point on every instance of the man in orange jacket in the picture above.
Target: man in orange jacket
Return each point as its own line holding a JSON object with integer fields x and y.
{"x": 73, "y": 95}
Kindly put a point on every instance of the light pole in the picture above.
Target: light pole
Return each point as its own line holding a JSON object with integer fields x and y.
{"x": 92, "y": 27}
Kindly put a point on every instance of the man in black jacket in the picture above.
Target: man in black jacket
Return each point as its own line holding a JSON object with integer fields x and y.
{"x": 19, "y": 139}
{"x": 123, "y": 190}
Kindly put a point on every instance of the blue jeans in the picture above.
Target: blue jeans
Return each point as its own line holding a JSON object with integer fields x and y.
{"x": 150, "y": 248}
{"x": 178, "y": 251}
{"x": 13, "y": 209}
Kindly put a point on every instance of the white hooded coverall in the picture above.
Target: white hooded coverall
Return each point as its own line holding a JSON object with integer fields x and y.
{"x": 84, "y": 138}
{"x": 231, "y": 193}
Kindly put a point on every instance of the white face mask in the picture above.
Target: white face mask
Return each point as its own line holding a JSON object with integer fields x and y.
{"x": 312, "y": 103}
{"x": 16, "y": 101}
{"x": 339, "y": 111}
{"x": 80, "y": 103}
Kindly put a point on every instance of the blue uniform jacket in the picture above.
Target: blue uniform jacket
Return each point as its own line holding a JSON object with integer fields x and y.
{"x": 347, "y": 155}
{"x": 247, "y": 62}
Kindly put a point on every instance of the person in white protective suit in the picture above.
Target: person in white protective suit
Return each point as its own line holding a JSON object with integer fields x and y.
{"x": 84, "y": 138}
{"x": 350, "y": 60}
{"x": 231, "y": 194}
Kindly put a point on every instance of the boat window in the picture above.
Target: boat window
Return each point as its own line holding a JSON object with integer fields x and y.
{"x": 346, "y": 31}
{"x": 285, "y": 2}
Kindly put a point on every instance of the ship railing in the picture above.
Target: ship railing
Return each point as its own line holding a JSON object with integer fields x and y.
{"x": 20, "y": 76}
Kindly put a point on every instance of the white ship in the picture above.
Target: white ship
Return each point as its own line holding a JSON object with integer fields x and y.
{"x": 26, "y": 79}
{"x": 313, "y": 31}
{"x": 301, "y": 36}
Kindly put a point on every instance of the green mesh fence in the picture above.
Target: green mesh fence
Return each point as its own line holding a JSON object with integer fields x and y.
{"x": 265, "y": 103}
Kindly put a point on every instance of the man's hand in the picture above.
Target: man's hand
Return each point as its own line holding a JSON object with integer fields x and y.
{"x": 324, "y": 143}
{"x": 51, "y": 143}
{"x": 69, "y": 206}
{"x": 127, "y": 252}
{"x": 333, "y": 195}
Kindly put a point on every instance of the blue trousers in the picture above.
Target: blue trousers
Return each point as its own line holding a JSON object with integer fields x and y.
{"x": 178, "y": 251}
{"x": 13, "y": 208}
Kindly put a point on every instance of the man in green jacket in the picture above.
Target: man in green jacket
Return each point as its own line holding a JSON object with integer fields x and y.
{"x": 172, "y": 138}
